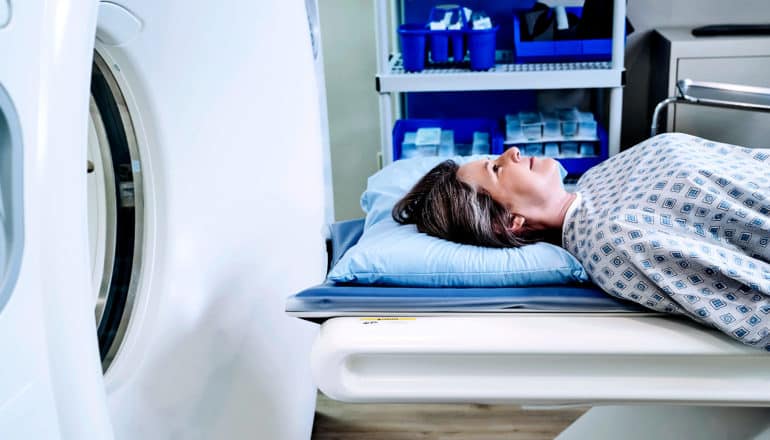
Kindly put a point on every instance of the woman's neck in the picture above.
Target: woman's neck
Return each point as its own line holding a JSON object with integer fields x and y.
{"x": 566, "y": 202}
{"x": 561, "y": 207}
{"x": 553, "y": 217}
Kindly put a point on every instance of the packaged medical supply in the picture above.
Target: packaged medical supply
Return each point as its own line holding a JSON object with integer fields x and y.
{"x": 551, "y": 125}
{"x": 437, "y": 26}
{"x": 428, "y": 136}
{"x": 427, "y": 141}
{"x": 447, "y": 147}
{"x": 569, "y": 149}
{"x": 531, "y": 125}
{"x": 468, "y": 13}
{"x": 456, "y": 136}
{"x": 443, "y": 17}
{"x": 586, "y": 125}
{"x": 481, "y": 21}
{"x": 512, "y": 127}
{"x": 552, "y": 149}
{"x": 587, "y": 149}
{"x": 463, "y": 149}
{"x": 408, "y": 147}
{"x": 480, "y": 143}
{"x": 533, "y": 149}
{"x": 569, "y": 121}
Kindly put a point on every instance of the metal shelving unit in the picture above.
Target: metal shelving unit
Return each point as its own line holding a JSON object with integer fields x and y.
{"x": 506, "y": 75}
{"x": 392, "y": 80}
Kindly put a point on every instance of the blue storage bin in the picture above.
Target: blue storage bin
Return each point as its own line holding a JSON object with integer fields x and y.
{"x": 413, "y": 46}
{"x": 443, "y": 44}
{"x": 453, "y": 17}
{"x": 439, "y": 46}
{"x": 560, "y": 50}
{"x": 457, "y": 41}
{"x": 481, "y": 45}
{"x": 418, "y": 42}
{"x": 463, "y": 131}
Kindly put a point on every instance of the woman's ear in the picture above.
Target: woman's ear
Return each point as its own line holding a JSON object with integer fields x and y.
{"x": 517, "y": 224}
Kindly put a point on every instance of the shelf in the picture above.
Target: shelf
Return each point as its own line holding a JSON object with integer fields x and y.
{"x": 506, "y": 75}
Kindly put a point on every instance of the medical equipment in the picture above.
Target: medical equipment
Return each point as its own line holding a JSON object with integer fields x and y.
{"x": 186, "y": 127}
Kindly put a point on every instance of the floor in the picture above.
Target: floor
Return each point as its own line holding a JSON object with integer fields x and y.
{"x": 342, "y": 421}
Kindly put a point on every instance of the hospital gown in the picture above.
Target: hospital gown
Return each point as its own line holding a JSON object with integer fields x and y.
{"x": 681, "y": 225}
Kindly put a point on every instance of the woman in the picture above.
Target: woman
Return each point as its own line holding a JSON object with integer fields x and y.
{"x": 677, "y": 223}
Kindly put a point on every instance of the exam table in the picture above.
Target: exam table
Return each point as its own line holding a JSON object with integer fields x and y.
{"x": 542, "y": 346}
{"x": 645, "y": 374}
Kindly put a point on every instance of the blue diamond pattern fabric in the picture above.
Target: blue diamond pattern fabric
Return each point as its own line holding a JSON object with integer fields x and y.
{"x": 680, "y": 224}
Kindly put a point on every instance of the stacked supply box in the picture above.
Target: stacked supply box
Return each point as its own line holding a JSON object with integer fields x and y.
{"x": 445, "y": 138}
{"x": 570, "y": 135}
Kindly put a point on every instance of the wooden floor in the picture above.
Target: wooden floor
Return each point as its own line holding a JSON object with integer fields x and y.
{"x": 343, "y": 421}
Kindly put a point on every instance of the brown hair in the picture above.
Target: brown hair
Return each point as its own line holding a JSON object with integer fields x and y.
{"x": 443, "y": 206}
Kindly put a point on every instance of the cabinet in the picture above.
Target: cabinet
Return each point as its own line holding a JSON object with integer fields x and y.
{"x": 738, "y": 60}
{"x": 392, "y": 81}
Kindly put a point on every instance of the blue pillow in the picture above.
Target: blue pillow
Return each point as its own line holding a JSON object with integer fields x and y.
{"x": 393, "y": 254}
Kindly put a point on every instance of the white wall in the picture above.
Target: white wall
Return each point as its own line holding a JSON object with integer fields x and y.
{"x": 348, "y": 43}
{"x": 347, "y": 34}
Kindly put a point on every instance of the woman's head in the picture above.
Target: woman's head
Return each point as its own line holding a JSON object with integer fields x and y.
{"x": 505, "y": 202}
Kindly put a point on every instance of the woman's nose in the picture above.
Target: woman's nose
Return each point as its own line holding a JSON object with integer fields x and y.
{"x": 514, "y": 153}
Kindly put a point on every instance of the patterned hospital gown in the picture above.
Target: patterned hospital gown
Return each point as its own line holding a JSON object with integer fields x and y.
{"x": 681, "y": 225}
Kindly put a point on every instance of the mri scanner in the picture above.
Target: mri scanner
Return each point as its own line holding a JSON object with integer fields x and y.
{"x": 161, "y": 162}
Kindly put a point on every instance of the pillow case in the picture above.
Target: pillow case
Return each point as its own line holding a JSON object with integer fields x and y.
{"x": 393, "y": 254}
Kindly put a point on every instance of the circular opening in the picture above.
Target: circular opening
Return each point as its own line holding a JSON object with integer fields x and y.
{"x": 11, "y": 209}
{"x": 115, "y": 205}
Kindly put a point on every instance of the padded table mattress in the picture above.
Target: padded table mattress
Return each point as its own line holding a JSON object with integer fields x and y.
{"x": 330, "y": 299}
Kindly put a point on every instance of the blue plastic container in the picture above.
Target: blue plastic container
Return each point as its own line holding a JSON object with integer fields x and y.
{"x": 413, "y": 46}
{"x": 481, "y": 45}
{"x": 463, "y": 131}
{"x": 454, "y": 18}
{"x": 561, "y": 50}
{"x": 457, "y": 41}
{"x": 439, "y": 46}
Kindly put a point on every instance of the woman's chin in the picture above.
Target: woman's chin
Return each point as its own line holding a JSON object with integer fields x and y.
{"x": 550, "y": 164}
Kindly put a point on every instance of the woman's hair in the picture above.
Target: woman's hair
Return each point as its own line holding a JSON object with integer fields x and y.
{"x": 443, "y": 206}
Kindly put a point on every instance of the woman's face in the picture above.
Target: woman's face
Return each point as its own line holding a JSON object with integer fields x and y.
{"x": 524, "y": 185}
